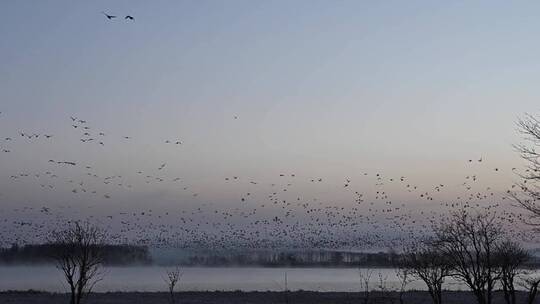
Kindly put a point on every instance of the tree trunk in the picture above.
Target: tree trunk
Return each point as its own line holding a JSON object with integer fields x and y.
{"x": 480, "y": 297}
{"x": 436, "y": 295}
{"x": 506, "y": 293}
{"x": 72, "y": 300}
{"x": 513, "y": 294}
{"x": 532, "y": 293}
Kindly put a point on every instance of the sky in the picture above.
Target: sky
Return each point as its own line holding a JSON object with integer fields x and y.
{"x": 255, "y": 89}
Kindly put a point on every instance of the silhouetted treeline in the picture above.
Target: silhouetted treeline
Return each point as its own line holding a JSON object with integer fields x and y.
{"x": 293, "y": 258}
{"x": 140, "y": 255}
{"x": 129, "y": 254}
{"x": 41, "y": 254}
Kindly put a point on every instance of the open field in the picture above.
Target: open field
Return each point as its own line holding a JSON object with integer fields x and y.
{"x": 297, "y": 297}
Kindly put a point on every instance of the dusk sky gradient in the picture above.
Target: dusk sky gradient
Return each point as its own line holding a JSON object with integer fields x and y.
{"x": 327, "y": 89}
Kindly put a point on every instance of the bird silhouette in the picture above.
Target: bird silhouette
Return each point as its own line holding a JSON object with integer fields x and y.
{"x": 110, "y": 17}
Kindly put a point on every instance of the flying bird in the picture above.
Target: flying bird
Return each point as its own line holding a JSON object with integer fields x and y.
{"x": 110, "y": 17}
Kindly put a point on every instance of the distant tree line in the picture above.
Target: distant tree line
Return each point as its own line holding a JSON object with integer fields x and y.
{"x": 319, "y": 258}
{"x": 140, "y": 255}
{"x": 42, "y": 253}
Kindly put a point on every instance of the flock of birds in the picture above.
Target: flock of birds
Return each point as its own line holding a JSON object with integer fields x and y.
{"x": 286, "y": 210}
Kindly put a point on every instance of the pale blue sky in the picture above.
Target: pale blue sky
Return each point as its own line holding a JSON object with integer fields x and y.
{"x": 321, "y": 88}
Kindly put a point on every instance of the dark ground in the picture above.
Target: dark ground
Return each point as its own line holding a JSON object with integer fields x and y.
{"x": 297, "y": 297}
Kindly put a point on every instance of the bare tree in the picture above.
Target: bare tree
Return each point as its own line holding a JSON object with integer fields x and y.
{"x": 172, "y": 278}
{"x": 529, "y": 196}
{"x": 426, "y": 262}
{"x": 530, "y": 281}
{"x": 365, "y": 277}
{"x": 78, "y": 253}
{"x": 404, "y": 277}
{"x": 383, "y": 280}
{"x": 469, "y": 242}
{"x": 384, "y": 291}
{"x": 510, "y": 258}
